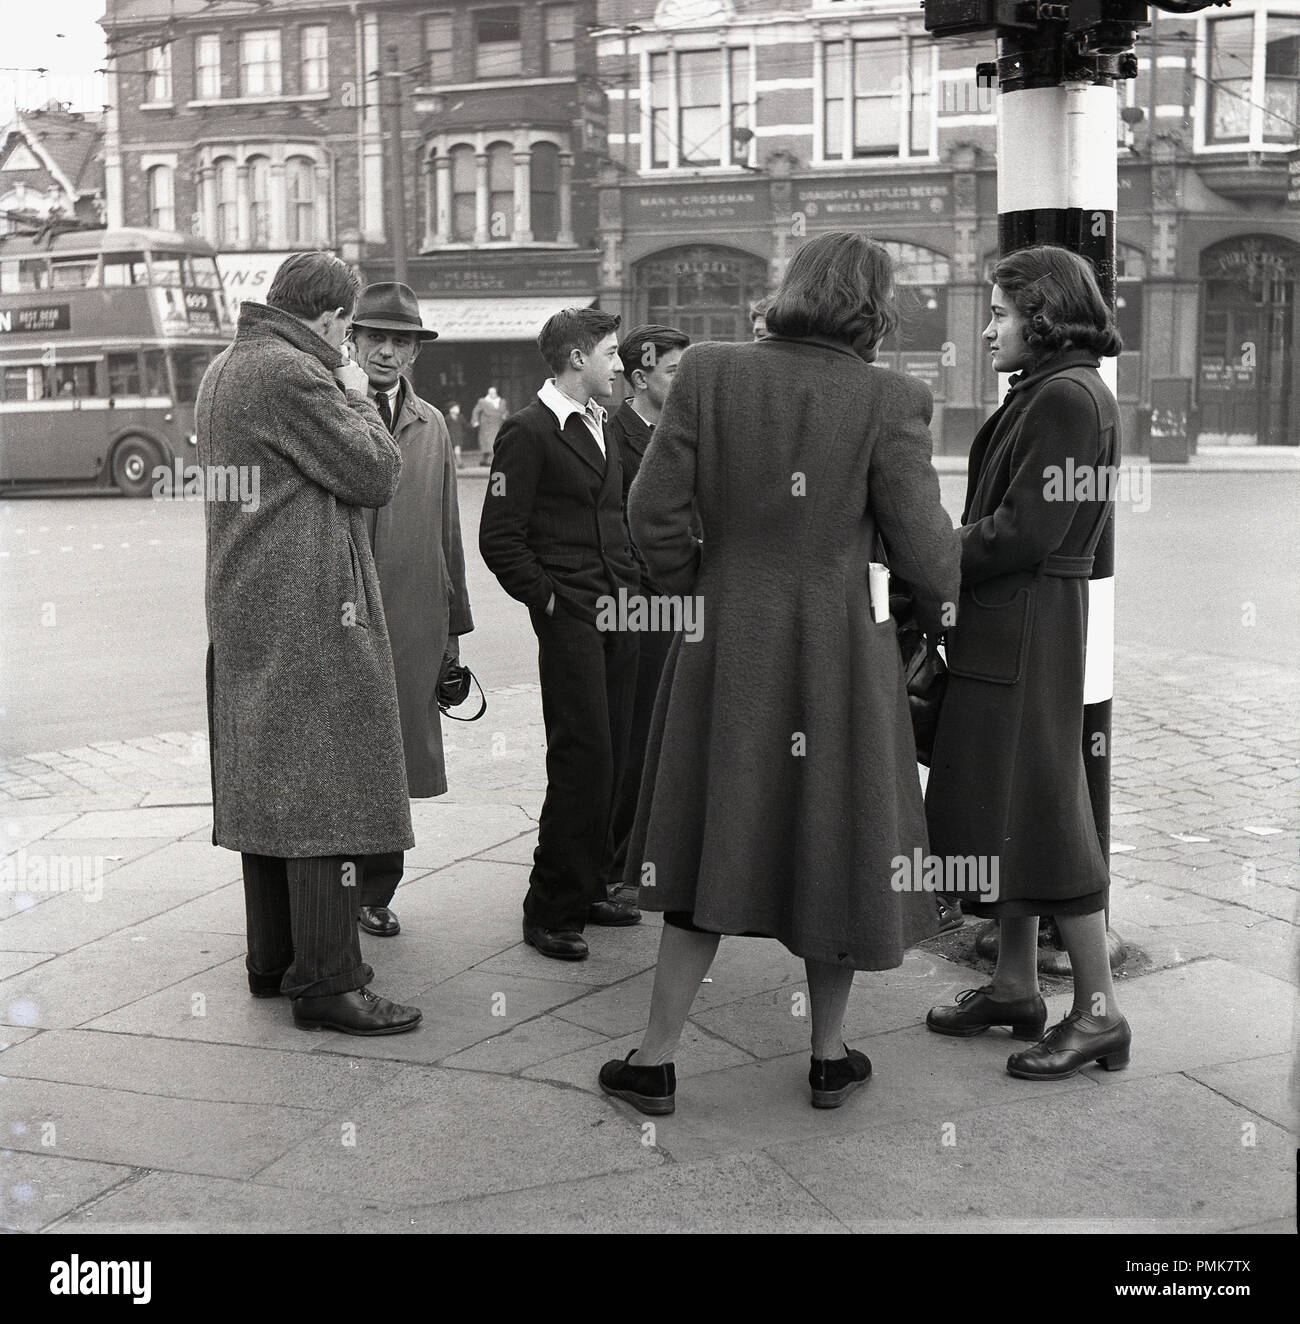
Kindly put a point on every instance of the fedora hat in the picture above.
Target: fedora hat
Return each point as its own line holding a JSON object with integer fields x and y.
{"x": 391, "y": 306}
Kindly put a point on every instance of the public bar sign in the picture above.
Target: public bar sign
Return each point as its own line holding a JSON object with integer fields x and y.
{"x": 36, "y": 320}
{"x": 670, "y": 205}
{"x": 834, "y": 201}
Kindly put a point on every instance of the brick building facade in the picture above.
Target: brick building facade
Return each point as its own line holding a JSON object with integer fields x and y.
{"x": 667, "y": 159}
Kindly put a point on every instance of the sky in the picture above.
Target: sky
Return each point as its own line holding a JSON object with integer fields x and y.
{"x": 32, "y": 40}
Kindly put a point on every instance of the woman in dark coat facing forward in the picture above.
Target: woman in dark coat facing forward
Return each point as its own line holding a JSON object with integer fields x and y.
{"x": 1007, "y": 783}
{"x": 780, "y": 783}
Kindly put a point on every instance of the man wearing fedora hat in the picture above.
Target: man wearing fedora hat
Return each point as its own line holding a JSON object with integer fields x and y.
{"x": 417, "y": 547}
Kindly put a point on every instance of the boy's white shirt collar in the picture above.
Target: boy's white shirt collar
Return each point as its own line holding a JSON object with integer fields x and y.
{"x": 562, "y": 405}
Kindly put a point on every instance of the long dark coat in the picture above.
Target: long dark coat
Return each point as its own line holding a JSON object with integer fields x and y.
{"x": 302, "y": 707}
{"x": 780, "y": 780}
{"x": 1007, "y": 778}
{"x": 421, "y": 563}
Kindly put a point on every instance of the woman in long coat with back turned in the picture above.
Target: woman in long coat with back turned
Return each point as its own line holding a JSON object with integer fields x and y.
{"x": 780, "y": 781}
{"x": 1007, "y": 781}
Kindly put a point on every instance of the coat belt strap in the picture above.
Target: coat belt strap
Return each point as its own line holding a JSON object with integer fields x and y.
{"x": 1068, "y": 567}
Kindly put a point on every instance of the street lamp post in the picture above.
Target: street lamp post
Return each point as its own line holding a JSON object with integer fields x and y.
{"x": 397, "y": 204}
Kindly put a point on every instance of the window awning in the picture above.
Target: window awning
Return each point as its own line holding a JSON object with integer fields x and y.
{"x": 459, "y": 321}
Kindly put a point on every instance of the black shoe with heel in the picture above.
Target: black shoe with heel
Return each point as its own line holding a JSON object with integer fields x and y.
{"x": 834, "y": 1079}
{"x": 1066, "y": 1048}
{"x": 651, "y": 1090}
{"x": 976, "y": 1010}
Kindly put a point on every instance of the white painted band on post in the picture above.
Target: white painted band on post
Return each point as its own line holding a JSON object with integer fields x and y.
{"x": 1056, "y": 148}
{"x": 1091, "y": 113}
{"x": 1099, "y": 651}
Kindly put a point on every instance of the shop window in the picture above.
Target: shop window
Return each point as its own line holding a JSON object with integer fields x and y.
{"x": 559, "y": 39}
{"x": 1130, "y": 272}
{"x": 544, "y": 206}
{"x": 922, "y": 276}
{"x": 207, "y": 66}
{"x": 162, "y": 209}
{"x": 259, "y": 63}
{"x": 704, "y": 291}
{"x": 501, "y": 191}
{"x": 315, "y": 59}
{"x": 497, "y": 48}
{"x": 437, "y": 47}
{"x": 462, "y": 193}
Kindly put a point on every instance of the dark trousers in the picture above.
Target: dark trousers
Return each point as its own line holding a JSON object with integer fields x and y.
{"x": 652, "y": 653}
{"x": 380, "y": 875}
{"x": 588, "y": 679}
{"x": 302, "y": 925}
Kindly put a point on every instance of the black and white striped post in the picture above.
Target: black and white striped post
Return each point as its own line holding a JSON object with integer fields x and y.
{"x": 1058, "y": 184}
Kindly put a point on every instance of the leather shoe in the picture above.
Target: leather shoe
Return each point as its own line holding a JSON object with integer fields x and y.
{"x": 561, "y": 946}
{"x": 976, "y": 1011}
{"x": 357, "y": 1012}
{"x": 834, "y": 1079}
{"x": 650, "y": 1090}
{"x": 613, "y": 914}
{"x": 1066, "y": 1048}
{"x": 378, "y": 920}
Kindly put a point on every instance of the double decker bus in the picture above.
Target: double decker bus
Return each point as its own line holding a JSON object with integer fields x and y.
{"x": 104, "y": 335}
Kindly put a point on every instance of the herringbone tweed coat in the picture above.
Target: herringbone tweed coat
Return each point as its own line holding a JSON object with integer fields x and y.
{"x": 302, "y": 706}
{"x": 780, "y": 781}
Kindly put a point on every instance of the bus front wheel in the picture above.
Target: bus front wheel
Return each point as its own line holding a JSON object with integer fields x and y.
{"x": 134, "y": 461}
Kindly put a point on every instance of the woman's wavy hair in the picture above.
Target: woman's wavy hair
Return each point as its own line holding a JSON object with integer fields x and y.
{"x": 839, "y": 286}
{"x": 1056, "y": 293}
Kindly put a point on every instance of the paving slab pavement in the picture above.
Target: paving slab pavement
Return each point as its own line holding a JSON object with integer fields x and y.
{"x": 143, "y": 1089}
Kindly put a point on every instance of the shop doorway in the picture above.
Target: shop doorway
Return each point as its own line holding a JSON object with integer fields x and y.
{"x": 1250, "y": 342}
{"x": 701, "y": 290}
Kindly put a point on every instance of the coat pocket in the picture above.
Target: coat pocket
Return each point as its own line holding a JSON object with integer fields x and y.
{"x": 991, "y": 639}
{"x": 355, "y": 610}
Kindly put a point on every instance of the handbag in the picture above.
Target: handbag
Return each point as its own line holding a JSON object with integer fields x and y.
{"x": 454, "y": 683}
{"x": 925, "y": 674}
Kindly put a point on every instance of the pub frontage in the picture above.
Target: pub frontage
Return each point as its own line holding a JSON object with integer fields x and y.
{"x": 1206, "y": 293}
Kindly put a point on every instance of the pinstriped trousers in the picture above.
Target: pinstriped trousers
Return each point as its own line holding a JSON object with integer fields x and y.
{"x": 302, "y": 925}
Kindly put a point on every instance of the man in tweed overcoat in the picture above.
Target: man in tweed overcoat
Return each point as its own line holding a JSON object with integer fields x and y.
{"x": 307, "y": 766}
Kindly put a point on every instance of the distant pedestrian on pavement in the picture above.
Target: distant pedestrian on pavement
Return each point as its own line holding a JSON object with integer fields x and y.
{"x": 458, "y": 431}
{"x": 758, "y": 317}
{"x": 306, "y": 743}
{"x": 417, "y": 547}
{"x": 780, "y": 781}
{"x": 1007, "y": 780}
{"x": 553, "y": 533}
{"x": 489, "y": 413}
{"x": 650, "y": 355}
